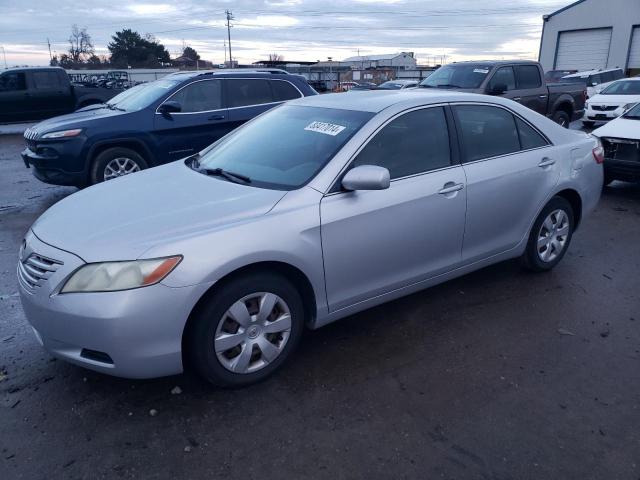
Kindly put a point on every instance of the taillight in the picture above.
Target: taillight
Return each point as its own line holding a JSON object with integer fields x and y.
{"x": 598, "y": 154}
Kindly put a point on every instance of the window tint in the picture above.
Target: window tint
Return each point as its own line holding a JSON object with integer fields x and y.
{"x": 416, "y": 142}
{"x": 283, "y": 91}
{"x": 529, "y": 138}
{"x": 503, "y": 76}
{"x": 617, "y": 74}
{"x": 607, "y": 77}
{"x": 200, "y": 96}
{"x": 528, "y": 76}
{"x": 46, "y": 80}
{"x": 486, "y": 131}
{"x": 243, "y": 92}
{"x": 13, "y": 81}
{"x": 595, "y": 79}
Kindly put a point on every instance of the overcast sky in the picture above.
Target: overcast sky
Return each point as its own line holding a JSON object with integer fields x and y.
{"x": 296, "y": 29}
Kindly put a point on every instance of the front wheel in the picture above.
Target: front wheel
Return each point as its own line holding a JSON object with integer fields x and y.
{"x": 561, "y": 118}
{"x": 115, "y": 162}
{"x": 588, "y": 124}
{"x": 550, "y": 236}
{"x": 245, "y": 330}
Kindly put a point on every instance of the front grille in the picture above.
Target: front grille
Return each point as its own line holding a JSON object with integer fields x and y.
{"x": 621, "y": 149}
{"x": 30, "y": 137}
{"x": 604, "y": 108}
{"x": 36, "y": 269}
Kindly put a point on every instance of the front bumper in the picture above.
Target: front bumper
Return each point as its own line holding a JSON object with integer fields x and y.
{"x": 133, "y": 333}
{"x": 601, "y": 116}
{"x": 58, "y": 162}
{"x": 622, "y": 159}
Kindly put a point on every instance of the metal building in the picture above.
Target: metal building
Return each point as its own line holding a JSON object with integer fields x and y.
{"x": 402, "y": 60}
{"x": 592, "y": 34}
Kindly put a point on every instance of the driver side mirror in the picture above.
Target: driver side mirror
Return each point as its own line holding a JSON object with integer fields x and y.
{"x": 498, "y": 89}
{"x": 170, "y": 107}
{"x": 366, "y": 177}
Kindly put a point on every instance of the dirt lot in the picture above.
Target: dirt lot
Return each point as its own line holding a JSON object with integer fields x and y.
{"x": 498, "y": 375}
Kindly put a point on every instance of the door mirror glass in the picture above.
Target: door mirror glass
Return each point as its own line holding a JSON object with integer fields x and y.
{"x": 366, "y": 177}
{"x": 170, "y": 106}
{"x": 498, "y": 89}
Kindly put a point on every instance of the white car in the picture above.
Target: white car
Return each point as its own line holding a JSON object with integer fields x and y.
{"x": 612, "y": 102}
{"x": 621, "y": 142}
{"x": 595, "y": 80}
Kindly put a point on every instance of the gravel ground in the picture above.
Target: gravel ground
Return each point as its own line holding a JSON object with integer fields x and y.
{"x": 501, "y": 374}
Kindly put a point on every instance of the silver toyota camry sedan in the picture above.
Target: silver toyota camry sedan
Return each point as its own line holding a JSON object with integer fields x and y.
{"x": 313, "y": 211}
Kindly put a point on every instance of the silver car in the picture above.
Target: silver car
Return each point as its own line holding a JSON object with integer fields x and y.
{"x": 318, "y": 209}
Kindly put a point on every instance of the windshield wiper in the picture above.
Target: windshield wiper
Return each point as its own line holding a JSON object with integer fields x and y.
{"x": 194, "y": 161}
{"x": 447, "y": 85}
{"x": 111, "y": 106}
{"x": 231, "y": 176}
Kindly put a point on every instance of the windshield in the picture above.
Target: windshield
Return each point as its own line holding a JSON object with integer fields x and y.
{"x": 142, "y": 96}
{"x": 390, "y": 86}
{"x": 626, "y": 87}
{"x": 285, "y": 148}
{"x": 457, "y": 76}
{"x": 633, "y": 113}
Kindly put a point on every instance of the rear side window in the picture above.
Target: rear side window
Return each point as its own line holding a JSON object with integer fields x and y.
{"x": 528, "y": 76}
{"x": 503, "y": 76}
{"x": 283, "y": 91}
{"x": 486, "y": 131}
{"x": 45, "y": 80}
{"x": 529, "y": 138}
{"x": 242, "y": 92}
{"x": 13, "y": 81}
{"x": 200, "y": 96}
{"x": 413, "y": 143}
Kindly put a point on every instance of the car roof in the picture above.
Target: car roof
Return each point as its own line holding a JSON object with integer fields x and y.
{"x": 495, "y": 62}
{"x": 375, "y": 101}
{"x": 21, "y": 69}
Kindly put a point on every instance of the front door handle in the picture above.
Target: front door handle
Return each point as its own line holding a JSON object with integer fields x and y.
{"x": 450, "y": 187}
{"x": 517, "y": 99}
{"x": 546, "y": 162}
{"x": 216, "y": 117}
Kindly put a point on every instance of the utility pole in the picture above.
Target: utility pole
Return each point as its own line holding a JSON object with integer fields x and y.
{"x": 229, "y": 18}
{"x": 225, "y": 52}
{"x": 4, "y": 53}
{"x": 49, "y": 44}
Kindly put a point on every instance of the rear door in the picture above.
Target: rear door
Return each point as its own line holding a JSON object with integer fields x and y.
{"x": 531, "y": 92}
{"x": 376, "y": 241}
{"x": 50, "y": 95}
{"x": 510, "y": 169}
{"x": 202, "y": 120}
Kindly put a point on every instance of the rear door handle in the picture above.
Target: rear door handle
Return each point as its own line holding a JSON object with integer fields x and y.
{"x": 543, "y": 96}
{"x": 450, "y": 187}
{"x": 216, "y": 117}
{"x": 517, "y": 99}
{"x": 546, "y": 162}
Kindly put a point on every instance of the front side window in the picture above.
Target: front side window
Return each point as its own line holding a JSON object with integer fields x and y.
{"x": 45, "y": 80}
{"x": 201, "y": 96}
{"x": 283, "y": 91}
{"x": 415, "y": 142}
{"x": 528, "y": 76}
{"x": 287, "y": 146}
{"x": 12, "y": 82}
{"x": 486, "y": 131}
{"x": 243, "y": 92}
{"x": 595, "y": 80}
{"x": 503, "y": 77}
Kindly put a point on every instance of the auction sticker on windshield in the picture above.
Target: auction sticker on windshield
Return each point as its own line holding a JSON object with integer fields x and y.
{"x": 326, "y": 128}
{"x": 480, "y": 70}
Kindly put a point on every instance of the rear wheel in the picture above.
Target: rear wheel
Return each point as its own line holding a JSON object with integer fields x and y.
{"x": 550, "y": 236}
{"x": 588, "y": 124}
{"x": 115, "y": 162}
{"x": 561, "y": 118}
{"x": 246, "y": 330}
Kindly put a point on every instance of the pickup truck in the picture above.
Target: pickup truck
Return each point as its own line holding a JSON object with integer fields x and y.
{"x": 519, "y": 80}
{"x": 43, "y": 92}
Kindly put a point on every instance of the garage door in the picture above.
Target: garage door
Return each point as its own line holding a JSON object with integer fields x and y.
{"x": 583, "y": 49}
{"x": 634, "y": 52}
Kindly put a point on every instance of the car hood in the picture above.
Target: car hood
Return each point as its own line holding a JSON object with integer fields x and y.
{"x": 614, "y": 99}
{"x": 619, "y": 128}
{"x": 123, "y": 218}
{"x": 74, "y": 120}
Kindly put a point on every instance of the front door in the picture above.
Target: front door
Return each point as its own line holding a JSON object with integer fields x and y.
{"x": 510, "y": 169}
{"x": 201, "y": 121}
{"x": 377, "y": 241}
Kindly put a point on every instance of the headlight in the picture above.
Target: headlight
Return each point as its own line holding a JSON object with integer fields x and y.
{"x": 63, "y": 134}
{"x": 586, "y": 104}
{"x": 113, "y": 276}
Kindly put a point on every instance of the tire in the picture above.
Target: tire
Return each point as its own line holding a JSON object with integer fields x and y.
{"x": 608, "y": 180}
{"x": 245, "y": 361}
{"x": 129, "y": 159}
{"x": 561, "y": 118}
{"x": 588, "y": 124}
{"x": 533, "y": 257}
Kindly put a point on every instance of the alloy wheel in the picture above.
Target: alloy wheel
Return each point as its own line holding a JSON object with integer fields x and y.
{"x": 119, "y": 167}
{"x": 553, "y": 235}
{"x": 253, "y": 332}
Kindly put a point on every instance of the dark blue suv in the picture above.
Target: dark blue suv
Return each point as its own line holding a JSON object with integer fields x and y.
{"x": 153, "y": 123}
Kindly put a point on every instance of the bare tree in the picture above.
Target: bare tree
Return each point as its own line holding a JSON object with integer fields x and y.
{"x": 80, "y": 44}
{"x": 275, "y": 57}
